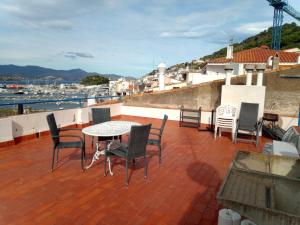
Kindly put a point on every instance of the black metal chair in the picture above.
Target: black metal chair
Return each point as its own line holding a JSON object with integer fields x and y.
{"x": 157, "y": 133}
{"x": 101, "y": 115}
{"x": 248, "y": 122}
{"x": 58, "y": 144}
{"x": 136, "y": 148}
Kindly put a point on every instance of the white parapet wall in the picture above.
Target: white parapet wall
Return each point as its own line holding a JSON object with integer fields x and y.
{"x": 6, "y": 130}
{"x": 158, "y": 113}
{"x": 21, "y": 125}
{"x": 27, "y": 124}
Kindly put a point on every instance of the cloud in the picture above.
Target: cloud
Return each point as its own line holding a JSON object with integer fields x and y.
{"x": 55, "y": 14}
{"x": 74, "y": 55}
{"x": 253, "y": 28}
{"x": 184, "y": 34}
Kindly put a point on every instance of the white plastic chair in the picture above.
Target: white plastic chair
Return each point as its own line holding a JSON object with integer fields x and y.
{"x": 225, "y": 118}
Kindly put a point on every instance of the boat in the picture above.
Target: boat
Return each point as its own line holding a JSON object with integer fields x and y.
{"x": 19, "y": 92}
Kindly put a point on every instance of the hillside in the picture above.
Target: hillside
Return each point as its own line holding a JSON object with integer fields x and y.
{"x": 290, "y": 39}
{"x": 13, "y": 72}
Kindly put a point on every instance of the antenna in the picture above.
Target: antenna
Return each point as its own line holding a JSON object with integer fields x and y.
{"x": 231, "y": 39}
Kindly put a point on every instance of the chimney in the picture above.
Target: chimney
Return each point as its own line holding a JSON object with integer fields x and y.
{"x": 249, "y": 69}
{"x": 229, "y": 54}
{"x": 161, "y": 77}
{"x": 276, "y": 60}
{"x": 260, "y": 68}
{"x": 228, "y": 70}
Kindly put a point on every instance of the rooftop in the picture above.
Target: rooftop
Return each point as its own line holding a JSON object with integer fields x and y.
{"x": 180, "y": 191}
{"x": 258, "y": 55}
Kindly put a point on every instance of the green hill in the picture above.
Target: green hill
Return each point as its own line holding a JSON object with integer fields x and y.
{"x": 290, "y": 39}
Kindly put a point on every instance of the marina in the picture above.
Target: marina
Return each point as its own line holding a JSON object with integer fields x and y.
{"x": 50, "y": 97}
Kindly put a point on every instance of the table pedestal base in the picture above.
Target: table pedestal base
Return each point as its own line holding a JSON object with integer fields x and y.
{"x": 97, "y": 155}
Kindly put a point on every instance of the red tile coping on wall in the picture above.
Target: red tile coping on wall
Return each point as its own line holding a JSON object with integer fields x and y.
{"x": 7, "y": 143}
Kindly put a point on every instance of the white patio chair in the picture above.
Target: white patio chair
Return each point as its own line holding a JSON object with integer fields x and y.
{"x": 225, "y": 118}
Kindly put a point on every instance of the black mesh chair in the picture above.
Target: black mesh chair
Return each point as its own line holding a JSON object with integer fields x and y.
{"x": 156, "y": 135}
{"x": 58, "y": 144}
{"x": 136, "y": 148}
{"x": 248, "y": 122}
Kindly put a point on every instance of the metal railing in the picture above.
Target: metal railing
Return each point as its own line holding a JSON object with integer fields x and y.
{"x": 20, "y": 104}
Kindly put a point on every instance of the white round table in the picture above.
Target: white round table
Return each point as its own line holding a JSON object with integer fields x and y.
{"x": 107, "y": 129}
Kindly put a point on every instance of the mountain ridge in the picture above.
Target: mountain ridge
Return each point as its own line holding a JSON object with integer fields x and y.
{"x": 32, "y": 72}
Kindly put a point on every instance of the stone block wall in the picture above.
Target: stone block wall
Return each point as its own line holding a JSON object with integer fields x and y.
{"x": 283, "y": 92}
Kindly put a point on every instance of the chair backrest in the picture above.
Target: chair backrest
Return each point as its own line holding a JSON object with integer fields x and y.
{"x": 226, "y": 111}
{"x": 163, "y": 124}
{"x": 138, "y": 139}
{"x": 100, "y": 115}
{"x": 53, "y": 128}
{"x": 248, "y": 115}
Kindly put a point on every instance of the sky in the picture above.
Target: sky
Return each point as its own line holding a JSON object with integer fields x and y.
{"x": 126, "y": 37}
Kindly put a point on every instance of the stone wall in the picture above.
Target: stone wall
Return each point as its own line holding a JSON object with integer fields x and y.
{"x": 284, "y": 92}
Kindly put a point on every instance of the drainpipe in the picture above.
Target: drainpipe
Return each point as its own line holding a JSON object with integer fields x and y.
{"x": 228, "y": 71}
{"x": 260, "y": 68}
{"x": 299, "y": 117}
{"x": 249, "y": 69}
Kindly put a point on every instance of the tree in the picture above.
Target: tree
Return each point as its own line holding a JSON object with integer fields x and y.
{"x": 94, "y": 80}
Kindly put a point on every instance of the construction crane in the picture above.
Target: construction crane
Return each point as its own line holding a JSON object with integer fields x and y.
{"x": 280, "y": 6}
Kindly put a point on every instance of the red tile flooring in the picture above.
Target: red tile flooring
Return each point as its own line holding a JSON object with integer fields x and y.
{"x": 181, "y": 191}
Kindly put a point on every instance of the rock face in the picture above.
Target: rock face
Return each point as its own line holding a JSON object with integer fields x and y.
{"x": 282, "y": 93}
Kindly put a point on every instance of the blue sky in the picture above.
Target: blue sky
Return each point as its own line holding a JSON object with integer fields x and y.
{"x": 124, "y": 37}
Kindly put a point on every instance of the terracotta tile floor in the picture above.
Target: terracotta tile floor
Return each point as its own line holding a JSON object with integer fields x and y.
{"x": 180, "y": 191}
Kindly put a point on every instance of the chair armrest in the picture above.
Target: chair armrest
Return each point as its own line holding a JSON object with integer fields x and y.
{"x": 154, "y": 128}
{"x": 71, "y": 136}
{"x": 155, "y": 134}
{"x": 66, "y": 129}
{"x": 258, "y": 125}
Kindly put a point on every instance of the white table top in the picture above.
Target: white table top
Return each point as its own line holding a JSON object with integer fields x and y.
{"x": 110, "y": 128}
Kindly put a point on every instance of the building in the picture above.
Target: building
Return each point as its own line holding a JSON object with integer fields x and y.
{"x": 121, "y": 87}
{"x": 262, "y": 55}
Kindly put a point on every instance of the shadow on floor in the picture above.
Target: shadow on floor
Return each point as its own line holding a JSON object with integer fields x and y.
{"x": 203, "y": 209}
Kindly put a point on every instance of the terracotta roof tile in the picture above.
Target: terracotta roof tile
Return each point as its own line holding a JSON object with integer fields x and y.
{"x": 258, "y": 55}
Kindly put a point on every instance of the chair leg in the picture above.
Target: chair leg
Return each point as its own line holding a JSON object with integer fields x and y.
{"x": 57, "y": 153}
{"x": 159, "y": 153}
{"x": 216, "y": 131}
{"x": 257, "y": 139}
{"x": 126, "y": 177}
{"x": 82, "y": 158}
{"x": 105, "y": 171}
{"x": 53, "y": 157}
{"x": 145, "y": 167}
{"x": 235, "y": 136}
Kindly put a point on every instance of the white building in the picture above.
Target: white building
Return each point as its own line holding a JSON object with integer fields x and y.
{"x": 262, "y": 55}
{"x": 121, "y": 87}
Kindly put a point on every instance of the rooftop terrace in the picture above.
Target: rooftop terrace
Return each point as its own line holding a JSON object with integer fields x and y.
{"x": 182, "y": 190}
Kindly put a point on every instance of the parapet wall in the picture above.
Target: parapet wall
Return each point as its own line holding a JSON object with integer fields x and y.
{"x": 206, "y": 95}
{"x": 283, "y": 92}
